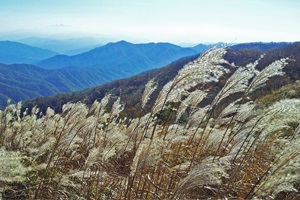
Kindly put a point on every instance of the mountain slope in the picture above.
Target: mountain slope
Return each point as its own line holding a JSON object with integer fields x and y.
{"x": 131, "y": 88}
{"x": 122, "y": 56}
{"x": 14, "y": 52}
{"x": 21, "y": 82}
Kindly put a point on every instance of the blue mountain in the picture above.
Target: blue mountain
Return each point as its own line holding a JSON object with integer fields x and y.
{"x": 125, "y": 57}
{"x": 14, "y": 52}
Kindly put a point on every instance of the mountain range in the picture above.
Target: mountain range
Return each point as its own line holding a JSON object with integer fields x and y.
{"x": 123, "y": 56}
{"x": 70, "y": 46}
{"x": 15, "y": 52}
{"x": 61, "y": 73}
{"x": 34, "y": 76}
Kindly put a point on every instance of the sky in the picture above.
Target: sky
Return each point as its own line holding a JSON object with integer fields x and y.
{"x": 176, "y": 21}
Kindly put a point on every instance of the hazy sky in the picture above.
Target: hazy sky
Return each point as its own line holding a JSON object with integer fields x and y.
{"x": 177, "y": 21}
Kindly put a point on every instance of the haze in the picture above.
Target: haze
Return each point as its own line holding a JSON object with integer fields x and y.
{"x": 176, "y": 21}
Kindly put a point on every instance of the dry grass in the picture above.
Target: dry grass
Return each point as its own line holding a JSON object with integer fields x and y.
{"x": 89, "y": 153}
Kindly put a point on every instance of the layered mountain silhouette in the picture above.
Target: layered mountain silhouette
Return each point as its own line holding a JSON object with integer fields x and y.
{"x": 70, "y": 46}
{"x": 61, "y": 73}
{"x": 65, "y": 74}
{"x": 122, "y": 56}
{"x": 202, "y": 47}
{"x": 14, "y": 52}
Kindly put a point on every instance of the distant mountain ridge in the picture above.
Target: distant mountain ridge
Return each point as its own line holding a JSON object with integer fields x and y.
{"x": 260, "y": 46}
{"x": 15, "y": 52}
{"x": 21, "y": 82}
{"x": 202, "y": 47}
{"x": 122, "y": 55}
{"x": 71, "y": 46}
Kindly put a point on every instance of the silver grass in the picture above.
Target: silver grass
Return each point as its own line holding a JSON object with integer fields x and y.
{"x": 197, "y": 115}
{"x": 108, "y": 153}
{"x": 271, "y": 121}
{"x": 47, "y": 146}
{"x": 93, "y": 157}
{"x": 142, "y": 151}
{"x": 150, "y": 87}
{"x": 275, "y": 122}
{"x": 238, "y": 82}
{"x": 215, "y": 136}
{"x": 192, "y": 100}
{"x": 207, "y": 68}
{"x": 116, "y": 109}
{"x": 280, "y": 116}
{"x": 24, "y": 140}
{"x": 205, "y": 175}
{"x": 148, "y": 154}
{"x": 274, "y": 69}
{"x": 99, "y": 107}
{"x": 176, "y": 134}
{"x": 284, "y": 173}
{"x": 18, "y": 110}
{"x": 241, "y": 112}
{"x": 49, "y": 112}
{"x": 11, "y": 168}
{"x": 201, "y": 70}
{"x": 160, "y": 101}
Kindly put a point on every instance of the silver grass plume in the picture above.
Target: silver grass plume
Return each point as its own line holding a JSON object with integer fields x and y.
{"x": 197, "y": 115}
{"x": 274, "y": 69}
{"x": 99, "y": 107}
{"x": 280, "y": 116}
{"x": 207, "y": 175}
{"x": 150, "y": 87}
{"x": 284, "y": 173}
{"x": 207, "y": 68}
{"x": 141, "y": 152}
{"x": 192, "y": 100}
{"x": 279, "y": 122}
{"x": 162, "y": 97}
{"x": 241, "y": 112}
{"x": 238, "y": 81}
{"x": 148, "y": 154}
{"x": 11, "y": 167}
{"x": 116, "y": 109}
{"x": 49, "y": 112}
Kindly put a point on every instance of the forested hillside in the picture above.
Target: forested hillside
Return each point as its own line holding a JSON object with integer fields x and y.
{"x": 21, "y": 82}
{"x": 130, "y": 89}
